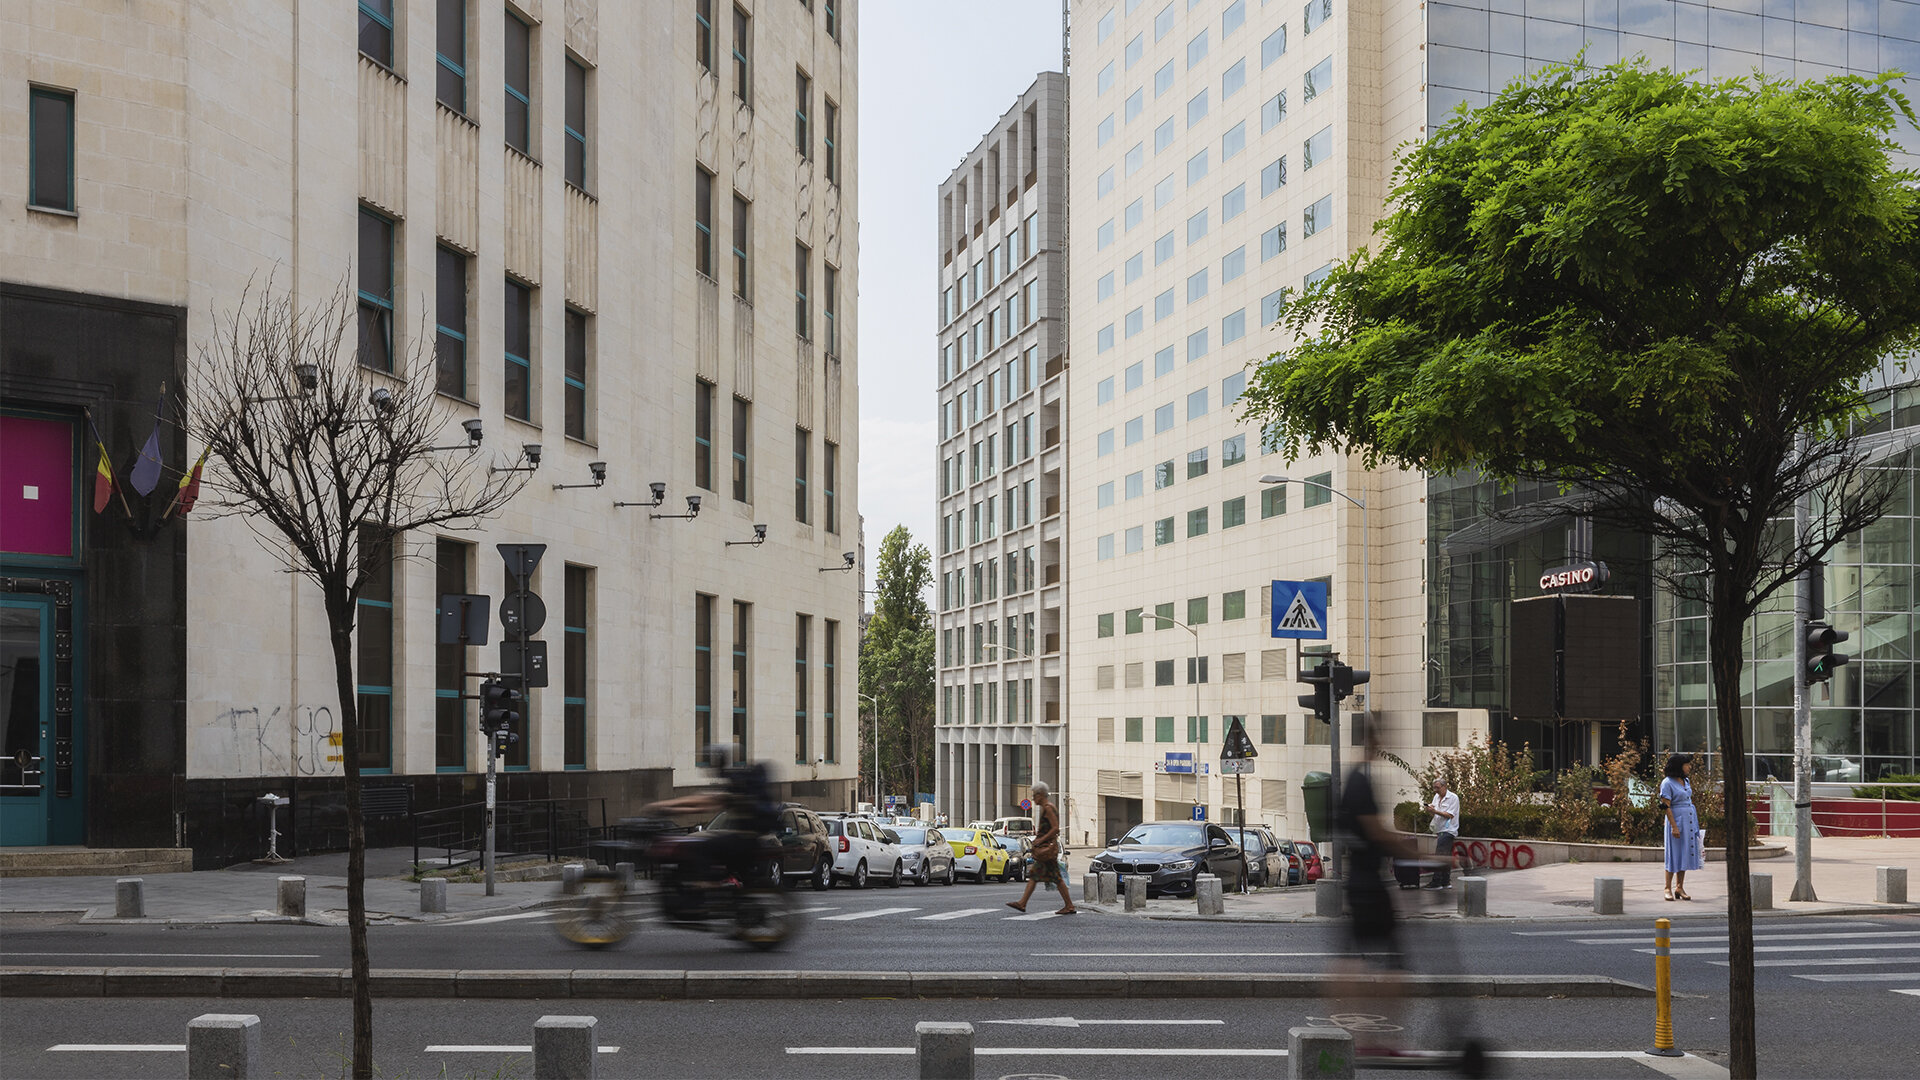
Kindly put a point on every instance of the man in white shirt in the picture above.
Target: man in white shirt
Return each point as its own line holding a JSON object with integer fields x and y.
{"x": 1445, "y": 807}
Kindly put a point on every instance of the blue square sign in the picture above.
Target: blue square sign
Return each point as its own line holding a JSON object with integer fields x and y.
{"x": 1299, "y": 609}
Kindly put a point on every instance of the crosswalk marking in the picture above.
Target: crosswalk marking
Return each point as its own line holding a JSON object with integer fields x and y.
{"x": 1709, "y": 950}
{"x": 1809, "y": 947}
{"x": 115, "y": 1048}
{"x": 851, "y": 916}
{"x": 1678, "y": 931}
{"x": 1912, "y": 993}
{"x": 961, "y": 914}
{"x": 484, "y": 1048}
{"x": 1864, "y": 976}
{"x": 1801, "y": 961}
{"x": 1705, "y": 939}
{"x": 508, "y": 918}
{"x": 1034, "y": 916}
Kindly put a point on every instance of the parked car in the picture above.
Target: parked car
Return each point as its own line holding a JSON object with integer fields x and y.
{"x": 1014, "y": 826}
{"x": 1172, "y": 855}
{"x": 1310, "y": 857}
{"x": 1296, "y": 864}
{"x": 862, "y": 853}
{"x": 977, "y": 854}
{"x": 1019, "y": 850}
{"x": 986, "y": 826}
{"x": 806, "y": 851}
{"x": 1266, "y": 863}
{"x": 926, "y": 855}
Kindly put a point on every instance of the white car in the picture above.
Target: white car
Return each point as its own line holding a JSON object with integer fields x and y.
{"x": 862, "y": 852}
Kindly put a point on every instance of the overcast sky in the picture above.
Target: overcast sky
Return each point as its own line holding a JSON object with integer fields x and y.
{"x": 934, "y": 76}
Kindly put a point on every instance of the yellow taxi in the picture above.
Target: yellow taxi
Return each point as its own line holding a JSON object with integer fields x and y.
{"x": 978, "y": 854}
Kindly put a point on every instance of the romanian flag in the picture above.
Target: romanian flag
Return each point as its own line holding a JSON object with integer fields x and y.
{"x": 103, "y": 482}
{"x": 189, "y": 492}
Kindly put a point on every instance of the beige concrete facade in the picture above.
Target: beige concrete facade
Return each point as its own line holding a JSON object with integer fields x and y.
{"x": 222, "y": 143}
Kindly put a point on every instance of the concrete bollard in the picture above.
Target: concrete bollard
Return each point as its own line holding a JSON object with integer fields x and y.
{"x": 1137, "y": 893}
{"x": 1109, "y": 887}
{"x": 130, "y": 898}
{"x": 945, "y": 1050}
{"x": 1319, "y": 1053}
{"x": 1890, "y": 884}
{"x": 565, "y": 1048}
{"x": 224, "y": 1046}
{"x": 570, "y": 876}
{"x": 1761, "y": 886}
{"x": 293, "y": 897}
{"x": 1206, "y": 895}
{"x": 1090, "y": 887}
{"x": 1327, "y": 898}
{"x": 626, "y": 874}
{"x": 1472, "y": 897}
{"x": 1609, "y": 895}
{"x": 433, "y": 895}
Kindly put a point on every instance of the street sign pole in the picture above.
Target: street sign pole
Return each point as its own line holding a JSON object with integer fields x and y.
{"x": 1336, "y": 853}
{"x": 486, "y": 854}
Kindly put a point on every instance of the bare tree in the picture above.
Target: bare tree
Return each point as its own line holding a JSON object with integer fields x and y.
{"x": 331, "y": 463}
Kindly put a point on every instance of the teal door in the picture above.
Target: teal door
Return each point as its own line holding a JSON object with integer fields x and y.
{"x": 26, "y": 719}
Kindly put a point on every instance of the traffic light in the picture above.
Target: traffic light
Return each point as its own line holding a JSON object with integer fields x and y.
{"x": 1821, "y": 659}
{"x": 499, "y": 713}
{"x": 1346, "y": 678}
{"x": 1321, "y": 699}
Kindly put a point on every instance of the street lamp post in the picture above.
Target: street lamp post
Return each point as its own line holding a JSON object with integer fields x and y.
{"x": 1193, "y": 676}
{"x": 868, "y": 698}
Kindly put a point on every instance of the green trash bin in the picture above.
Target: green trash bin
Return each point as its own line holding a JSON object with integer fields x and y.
{"x": 1313, "y": 791}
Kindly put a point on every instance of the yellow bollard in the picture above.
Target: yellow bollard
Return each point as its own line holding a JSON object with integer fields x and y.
{"x": 1663, "y": 991}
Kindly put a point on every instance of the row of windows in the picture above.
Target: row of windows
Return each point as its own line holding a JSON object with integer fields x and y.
{"x": 986, "y": 638}
{"x": 987, "y": 580}
{"x": 1001, "y": 262}
{"x": 1134, "y": 431}
{"x": 1273, "y": 729}
{"x": 740, "y": 459}
{"x": 1002, "y": 384}
{"x": 1232, "y": 18}
{"x": 740, "y": 255}
{"x": 986, "y": 698}
{"x": 734, "y": 728}
{"x": 1233, "y": 512}
{"x": 1016, "y": 444}
{"x": 989, "y": 517}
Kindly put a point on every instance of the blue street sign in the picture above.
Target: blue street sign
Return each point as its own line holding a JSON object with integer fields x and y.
{"x": 1299, "y": 609}
{"x": 1199, "y": 812}
{"x": 1181, "y": 762}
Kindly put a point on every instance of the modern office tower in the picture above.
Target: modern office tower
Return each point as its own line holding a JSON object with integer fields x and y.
{"x": 627, "y": 237}
{"x": 1002, "y": 492}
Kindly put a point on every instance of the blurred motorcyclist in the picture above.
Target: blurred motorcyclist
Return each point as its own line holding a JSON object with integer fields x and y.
{"x": 745, "y": 795}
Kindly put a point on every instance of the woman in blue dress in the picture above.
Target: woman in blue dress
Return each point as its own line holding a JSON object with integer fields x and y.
{"x": 1683, "y": 826}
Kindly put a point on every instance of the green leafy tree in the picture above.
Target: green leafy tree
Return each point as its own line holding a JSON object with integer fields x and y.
{"x": 897, "y": 661}
{"x": 1676, "y": 297}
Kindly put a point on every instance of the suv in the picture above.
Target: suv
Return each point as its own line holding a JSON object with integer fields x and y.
{"x": 1013, "y": 826}
{"x": 862, "y": 851}
{"x": 806, "y": 851}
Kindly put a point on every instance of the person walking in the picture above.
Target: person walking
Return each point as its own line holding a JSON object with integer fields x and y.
{"x": 1683, "y": 843}
{"x": 1046, "y": 854}
{"x": 1445, "y": 807}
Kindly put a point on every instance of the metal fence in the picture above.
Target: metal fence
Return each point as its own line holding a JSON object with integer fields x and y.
{"x": 1868, "y": 809}
{"x": 551, "y": 827}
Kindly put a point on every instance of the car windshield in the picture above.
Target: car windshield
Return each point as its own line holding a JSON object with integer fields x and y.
{"x": 912, "y": 836}
{"x": 1164, "y": 836}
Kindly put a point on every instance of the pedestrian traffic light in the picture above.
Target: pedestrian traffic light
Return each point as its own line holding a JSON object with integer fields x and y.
{"x": 1821, "y": 659}
{"x": 1346, "y": 678}
{"x": 1321, "y": 699}
{"x": 499, "y": 706}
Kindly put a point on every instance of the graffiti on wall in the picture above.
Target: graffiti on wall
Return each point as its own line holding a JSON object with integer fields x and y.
{"x": 258, "y": 741}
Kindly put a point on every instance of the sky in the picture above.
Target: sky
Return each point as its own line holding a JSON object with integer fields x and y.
{"x": 934, "y": 77}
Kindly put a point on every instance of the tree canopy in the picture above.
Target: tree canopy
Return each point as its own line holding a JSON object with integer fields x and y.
{"x": 897, "y": 660}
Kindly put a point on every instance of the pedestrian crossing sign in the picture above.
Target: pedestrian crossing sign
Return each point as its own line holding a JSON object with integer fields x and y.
{"x": 1299, "y": 609}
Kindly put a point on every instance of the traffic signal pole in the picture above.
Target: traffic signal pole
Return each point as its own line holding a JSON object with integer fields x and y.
{"x": 1802, "y": 722}
{"x": 486, "y": 853}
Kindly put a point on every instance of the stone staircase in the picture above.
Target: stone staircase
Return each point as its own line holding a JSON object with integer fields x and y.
{"x": 93, "y": 862}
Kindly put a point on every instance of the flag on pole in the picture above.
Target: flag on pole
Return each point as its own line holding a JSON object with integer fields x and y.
{"x": 189, "y": 492}
{"x": 102, "y": 480}
{"x": 146, "y": 472}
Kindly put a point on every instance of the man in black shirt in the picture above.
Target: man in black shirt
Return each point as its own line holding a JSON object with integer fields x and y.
{"x": 1370, "y": 842}
{"x": 751, "y": 815}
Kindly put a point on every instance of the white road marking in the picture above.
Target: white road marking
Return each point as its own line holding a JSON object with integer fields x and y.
{"x": 481, "y": 1048}
{"x": 1032, "y": 916}
{"x": 182, "y": 955}
{"x": 852, "y": 916}
{"x": 1703, "y": 939}
{"x": 1711, "y": 951}
{"x": 1642, "y": 933}
{"x": 110, "y": 1048}
{"x": 507, "y": 918}
{"x": 1230, "y": 952}
{"x": 1863, "y": 976}
{"x": 1074, "y": 1022}
{"x": 1182, "y": 1051}
{"x": 1811, "y": 961}
{"x": 1915, "y": 993}
{"x": 818, "y": 908}
{"x": 961, "y": 914}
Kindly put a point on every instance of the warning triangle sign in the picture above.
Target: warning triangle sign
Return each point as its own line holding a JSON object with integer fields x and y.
{"x": 1238, "y": 745}
{"x": 1299, "y": 615}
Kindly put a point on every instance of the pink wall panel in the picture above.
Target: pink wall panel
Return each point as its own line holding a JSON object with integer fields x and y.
{"x": 36, "y": 486}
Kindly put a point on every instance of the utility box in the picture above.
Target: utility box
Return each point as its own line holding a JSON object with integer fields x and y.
{"x": 1313, "y": 792}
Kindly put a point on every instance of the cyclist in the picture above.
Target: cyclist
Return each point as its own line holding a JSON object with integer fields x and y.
{"x": 746, "y": 796}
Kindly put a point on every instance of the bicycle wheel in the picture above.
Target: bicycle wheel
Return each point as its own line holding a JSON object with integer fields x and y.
{"x": 765, "y": 920}
{"x": 596, "y": 917}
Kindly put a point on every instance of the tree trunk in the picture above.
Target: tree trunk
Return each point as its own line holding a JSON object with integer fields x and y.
{"x": 1726, "y": 646}
{"x": 340, "y": 626}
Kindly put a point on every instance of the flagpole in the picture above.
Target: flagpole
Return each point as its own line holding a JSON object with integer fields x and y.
{"x": 112, "y": 477}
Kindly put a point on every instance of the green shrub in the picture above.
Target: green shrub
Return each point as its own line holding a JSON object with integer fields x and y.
{"x": 1876, "y": 791}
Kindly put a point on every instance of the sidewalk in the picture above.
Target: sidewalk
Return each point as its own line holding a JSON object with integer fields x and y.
{"x": 1843, "y": 879}
{"x": 246, "y": 893}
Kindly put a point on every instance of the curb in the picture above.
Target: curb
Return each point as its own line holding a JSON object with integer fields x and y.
{"x": 23, "y": 982}
{"x": 332, "y": 917}
{"x": 1676, "y": 917}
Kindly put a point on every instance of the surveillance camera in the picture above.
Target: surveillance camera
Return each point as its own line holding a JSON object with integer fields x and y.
{"x": 308, "y": 375}
{"x": 532, "y": 450}
{"x": 849, "y": 557}
{"x": 599, "y": 471}
{"x": 693, "y": 504}
{"x": 473, "y": 430}
{"x": 759, "y": 533}
{"x": 659, "y": 490}
{"x": 382, "y": 400}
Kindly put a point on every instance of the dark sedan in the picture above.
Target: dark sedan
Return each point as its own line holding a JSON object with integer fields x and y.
{"x": 1172, "y": 855}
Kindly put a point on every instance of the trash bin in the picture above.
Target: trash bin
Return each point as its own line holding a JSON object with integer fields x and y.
{"x": 1313, "y": 792}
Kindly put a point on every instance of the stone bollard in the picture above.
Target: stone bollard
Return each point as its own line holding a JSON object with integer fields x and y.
{"x": 1137, "y": 893}
{"x": 1319, "y": 1053}
{"x": 1472, "y": 894}
{"x": 225, "y": 1046}
{"x": 1206, "y": 895}
{"x": 1109, "y": 887}
{"x": 433, "y": 895}
{"x": 1090, "y": 887}
{"x": 565, "y": 1048}
{"x": 625, "y": 872}
{"x": 1326, "y": 898}
{"x": 945, "y": 1050}
{"x": 1609, "y": 895}
{"x": 293, "y": 897}
{"x": 570, "y": 876}
{"x": 130, "y": 898}
{"x": 1761, "y": 886}
{"x": 1890, "y": 884}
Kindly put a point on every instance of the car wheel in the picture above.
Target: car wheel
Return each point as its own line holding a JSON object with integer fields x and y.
{"x": 926, "y": 873}
{"x": 899, "y": 874}
{"x": 860, "y": 875}
{"x": 949, "y": 880}
{"x": 823, "y": 874}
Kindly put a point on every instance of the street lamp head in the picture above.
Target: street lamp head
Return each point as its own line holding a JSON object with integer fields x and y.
{"x": 474, "y": 431}
{"x": 693, "y": 505}
{"x": 849, "y": 556}
{"x": 599, "y": 471}
{"x": 659, "y": 490}
{"x": 1273, "y": 478}
{"x": 308, "y": 376}
{"x": 532, "y": 451}
{"x": 382, "y": 401}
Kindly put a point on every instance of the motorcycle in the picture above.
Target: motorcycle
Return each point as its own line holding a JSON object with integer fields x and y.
{"x": 674, "y": 872}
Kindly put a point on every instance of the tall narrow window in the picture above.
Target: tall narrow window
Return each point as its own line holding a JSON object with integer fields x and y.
{"x": 830, "y": 307}
{"x": 833, "y": 31}
{"x": 742, "y": 244}
{"x": 450, "y": 322}
{"x": 519, "y": 57}
{"x": 702, "y": 677}
{"x": 452, "y": 570}
{"x": 50, "y": 173}
{"x": 742, "y": 615}
{"x": 576, "y": 377}
{"x": 802, "y": 273}
{"x": 519, "y": 365}
{"x": 743, "y": 56}
{"x": 802, "y": 105}
{"x": 802, "y": 505}
{"x": 373, "y": 631}
{"x": 450, "y": 54}
{"x": 703, "y": 434}
{"x": 376, "y": 31}
{"x": 829, "y": 481}
{"x": 802, "y": 738}
{"x": 703, "y": 32}
{"x": 830, "y": 133}
{"x": 829, "y": 660}
{"x": 742, "y": 439}
{"x": 376, "y": 291}
{"x": 703, "y": 221}
{"x": 576, "y": 124}
{"x": 574, "y": 621}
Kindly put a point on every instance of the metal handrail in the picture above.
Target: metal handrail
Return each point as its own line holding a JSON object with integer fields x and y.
{"x": 517, "y": 821}
{"x": 1836, "y": 820}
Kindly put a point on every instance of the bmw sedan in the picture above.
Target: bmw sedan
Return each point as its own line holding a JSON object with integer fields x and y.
{"x": 1172, "y": 855}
